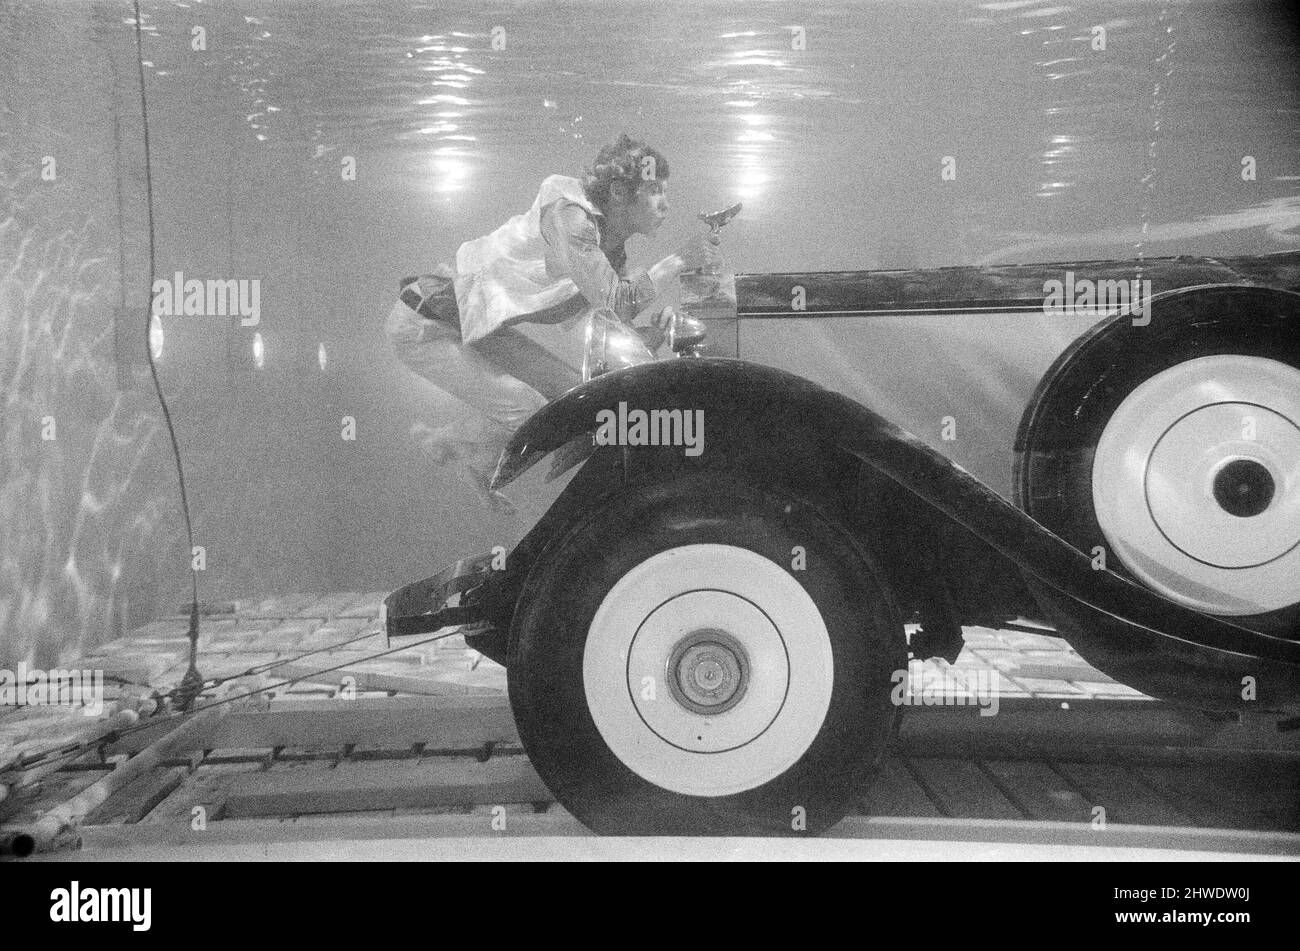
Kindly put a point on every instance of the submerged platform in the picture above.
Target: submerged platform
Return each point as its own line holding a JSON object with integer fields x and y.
{"x": 327, "y": 750}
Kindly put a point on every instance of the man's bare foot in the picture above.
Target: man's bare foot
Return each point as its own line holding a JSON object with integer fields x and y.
{"x": 437, "y": 444}
{"x": 481, "y": 482}
{"x": 444, "y": 449}
{"x": 499, "y": 503}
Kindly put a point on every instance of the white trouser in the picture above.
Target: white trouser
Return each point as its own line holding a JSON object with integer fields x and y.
{"x": 497, "y": 404}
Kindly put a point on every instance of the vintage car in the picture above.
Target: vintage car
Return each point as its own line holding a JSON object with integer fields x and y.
{"x": 704, "y": 641}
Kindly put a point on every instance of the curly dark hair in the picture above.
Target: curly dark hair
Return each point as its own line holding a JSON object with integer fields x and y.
{"x": 621, "y": 161}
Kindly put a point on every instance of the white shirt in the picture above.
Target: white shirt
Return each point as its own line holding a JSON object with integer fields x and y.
{"x": 540, "y": 261}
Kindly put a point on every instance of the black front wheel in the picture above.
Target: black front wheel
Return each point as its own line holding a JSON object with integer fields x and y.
{"x": 705, "y": 656}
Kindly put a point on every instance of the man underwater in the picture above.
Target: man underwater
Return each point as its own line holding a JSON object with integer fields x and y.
{"x": 555, "y": 264}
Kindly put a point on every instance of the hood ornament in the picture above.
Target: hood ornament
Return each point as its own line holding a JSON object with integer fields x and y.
{"x": 717, "y": 219}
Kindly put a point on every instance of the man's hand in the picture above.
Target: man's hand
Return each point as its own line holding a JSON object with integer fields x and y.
{"x": 700, "y": 252}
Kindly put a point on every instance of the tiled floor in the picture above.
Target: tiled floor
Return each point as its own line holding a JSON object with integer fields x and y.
{"x": 292, "y": 637}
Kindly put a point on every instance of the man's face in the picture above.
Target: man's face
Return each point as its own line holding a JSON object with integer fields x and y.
{"x": 648, "y": 206}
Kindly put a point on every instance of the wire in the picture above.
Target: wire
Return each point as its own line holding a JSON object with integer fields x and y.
{"x": 192, "y": 673}
{"x": 301, "y": 677}
{"x": 77, "y": 748}
{"x": 272, "y": 664}
{"x": 117, "y": 735}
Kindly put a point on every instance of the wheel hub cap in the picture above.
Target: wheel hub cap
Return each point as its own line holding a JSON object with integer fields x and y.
{"x": 707, "y": 647}
{"x": 708, "y": 672}
{"x": 1196, "y": 484}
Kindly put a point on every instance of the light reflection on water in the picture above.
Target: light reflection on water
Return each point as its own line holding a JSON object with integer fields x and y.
{"x": 832, "y": 146}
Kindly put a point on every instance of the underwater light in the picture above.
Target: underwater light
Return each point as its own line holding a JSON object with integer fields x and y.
{"x": 156, "y": 337}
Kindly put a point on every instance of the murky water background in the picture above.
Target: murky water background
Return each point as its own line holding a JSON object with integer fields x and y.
{"x": 1063, "y": 152}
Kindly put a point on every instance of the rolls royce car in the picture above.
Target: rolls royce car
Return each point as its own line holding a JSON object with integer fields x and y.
{"x": 702, "y": 631}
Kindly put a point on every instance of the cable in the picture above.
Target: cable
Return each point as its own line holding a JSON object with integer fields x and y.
{"x": 301, "y": 677}
{"x": 192, "y": 682}
{"x": 80, "y": 748}
{"x": 272, "y": 664}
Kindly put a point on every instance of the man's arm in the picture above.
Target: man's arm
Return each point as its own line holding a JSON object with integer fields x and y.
{"x": 573, "y": 251}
